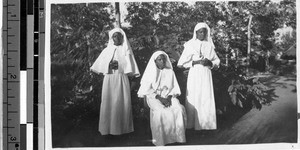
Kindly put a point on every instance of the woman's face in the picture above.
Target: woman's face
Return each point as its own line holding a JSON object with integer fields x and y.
{"x": 117, "y": 38}
{"x": 160, "y": 61}
{"x": 201, "y": 34}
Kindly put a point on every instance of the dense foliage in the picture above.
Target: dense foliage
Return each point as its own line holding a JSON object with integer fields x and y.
{"x": 78, "y": 34}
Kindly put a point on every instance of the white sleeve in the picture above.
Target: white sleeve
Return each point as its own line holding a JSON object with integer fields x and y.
{"x": 185, "y": 59}
{"x": 214, "y": 59}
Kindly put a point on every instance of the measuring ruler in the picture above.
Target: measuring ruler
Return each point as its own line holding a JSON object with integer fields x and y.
{"x": 11, "y": 74}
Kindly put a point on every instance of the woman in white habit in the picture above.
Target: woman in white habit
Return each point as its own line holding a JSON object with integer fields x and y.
{"x": 200, "y": 57}
{"x": 116, "y": 62}
{"x": 159, "y": 86}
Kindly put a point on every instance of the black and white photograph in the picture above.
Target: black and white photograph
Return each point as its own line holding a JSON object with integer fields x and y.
{"x": 171, "y": 74}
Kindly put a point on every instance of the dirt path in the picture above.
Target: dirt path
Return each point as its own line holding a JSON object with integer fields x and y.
{"x": 274, "y": 123}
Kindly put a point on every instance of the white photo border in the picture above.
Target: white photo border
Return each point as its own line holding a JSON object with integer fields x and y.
{"x": 47, "y": 97}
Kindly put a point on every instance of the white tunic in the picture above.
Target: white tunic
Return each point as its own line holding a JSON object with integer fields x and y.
{"x": 115, "y": 108}
{"x": 200, "y": 101}
{"x": 167, "y": 123}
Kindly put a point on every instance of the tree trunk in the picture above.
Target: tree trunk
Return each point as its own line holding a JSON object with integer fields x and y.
{"x": 249, "y": 43}
{"x": 227, "y": 51}
{"x": 118, "y": 15}
{"x": 268, "y": 61}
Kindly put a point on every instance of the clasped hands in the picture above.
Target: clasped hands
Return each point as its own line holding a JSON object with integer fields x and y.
{"x": 204, "y": 62}
{"x": 167, "y": 102}
{"x": 113, "y": 65}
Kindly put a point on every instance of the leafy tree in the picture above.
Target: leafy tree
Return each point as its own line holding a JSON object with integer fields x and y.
{"x": 167, "y": 25}
{"x": 287, "y": 40}
{"x": 78, "y": 34}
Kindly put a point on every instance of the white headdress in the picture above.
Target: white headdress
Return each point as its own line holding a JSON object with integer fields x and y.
{"x": 126, "y": 45}
{"x": 101, "y": 65}
{"x": 151, "y": 77}
{"x": 192, "y": 47}
{"x": 208, "y": 36}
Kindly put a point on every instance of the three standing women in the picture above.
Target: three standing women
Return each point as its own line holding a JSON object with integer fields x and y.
{"x": 159, "y": 86}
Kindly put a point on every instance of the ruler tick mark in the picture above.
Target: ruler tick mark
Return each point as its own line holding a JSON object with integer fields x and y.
{"x": 12, "y": 111}
{"x": 8, "y": 127}
{"x": 13, "y": 81}
{"x": 6, "y": 103}
{"x": 13, "y": 142}
{"x": 12, "y": 50}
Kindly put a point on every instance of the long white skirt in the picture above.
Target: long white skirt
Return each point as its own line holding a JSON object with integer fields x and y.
{"x": 115, "y": 108}
{"x": 167, "y": 124}
{"x": 200, "y": 101}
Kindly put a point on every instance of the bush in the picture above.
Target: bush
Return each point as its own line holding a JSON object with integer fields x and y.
{"x": 233, "y": 87}
{"x": 70, "y": 103}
